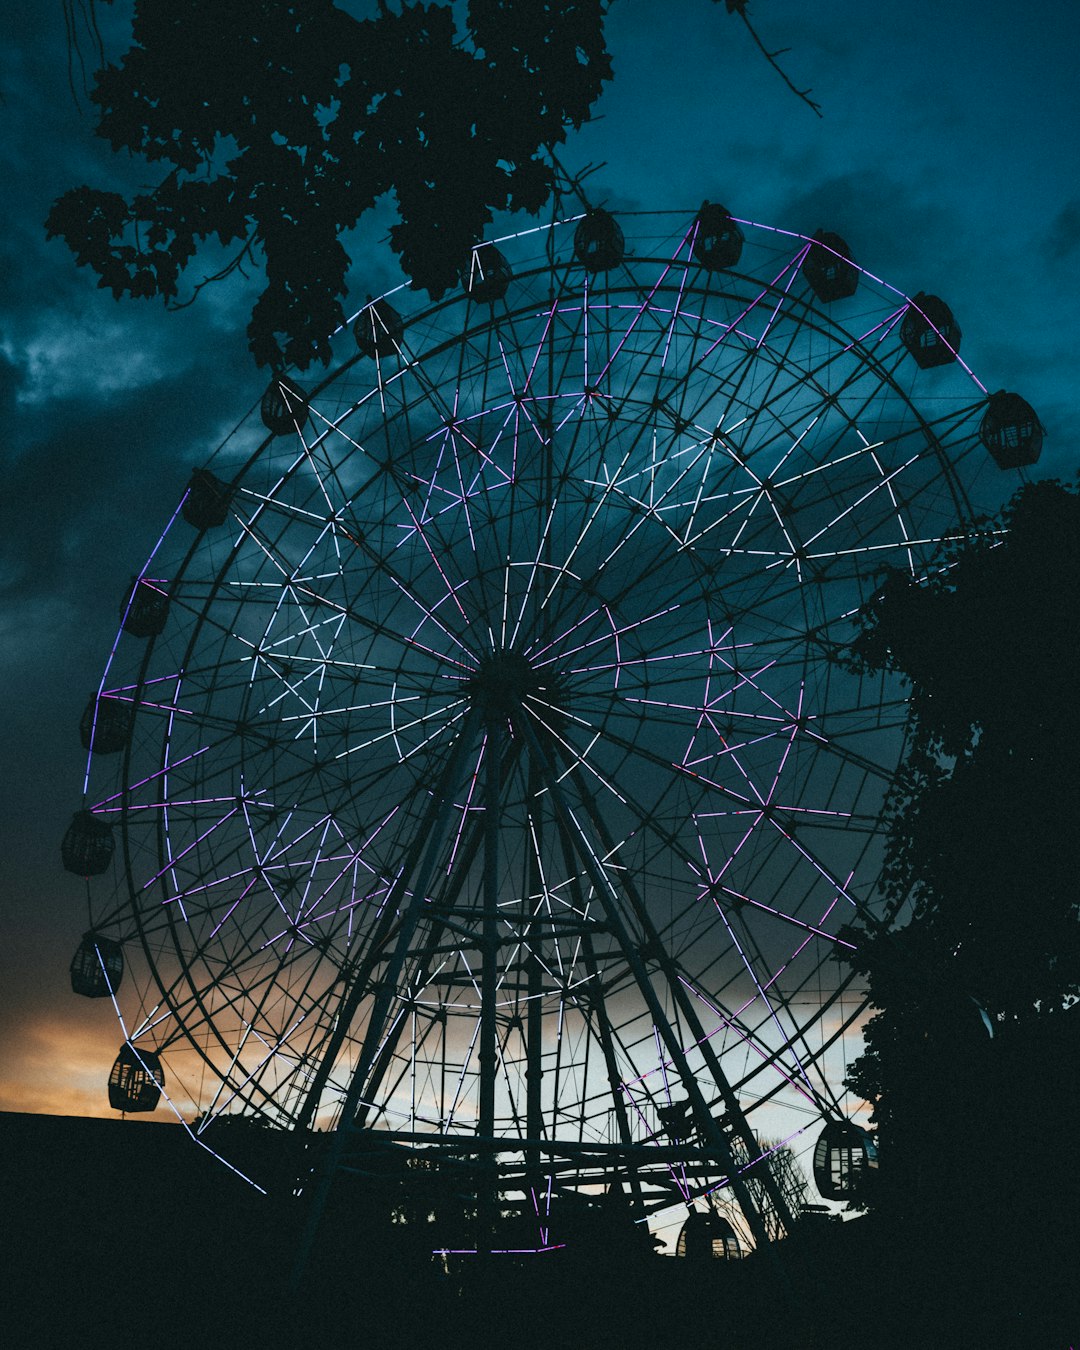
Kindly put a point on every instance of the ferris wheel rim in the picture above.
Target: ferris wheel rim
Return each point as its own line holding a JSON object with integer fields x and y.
{"x": 431, "y": 357}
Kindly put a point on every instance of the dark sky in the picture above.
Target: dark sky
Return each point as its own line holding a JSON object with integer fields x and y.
{"x": 947, "y": 156}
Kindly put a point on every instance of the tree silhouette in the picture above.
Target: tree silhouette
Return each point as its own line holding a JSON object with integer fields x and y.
{"x": 964, "y": 1059}
{"x": 279, "y": 123}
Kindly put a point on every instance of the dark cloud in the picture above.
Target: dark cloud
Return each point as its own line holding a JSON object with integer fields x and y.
{"x": 1063, "y": 237}
{"x": 12, "y": 375}
{"x": 104, "y": 472}
{"x": 893, "y": 226}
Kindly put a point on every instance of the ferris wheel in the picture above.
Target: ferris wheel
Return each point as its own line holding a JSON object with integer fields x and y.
{"x": 478, "y": 768}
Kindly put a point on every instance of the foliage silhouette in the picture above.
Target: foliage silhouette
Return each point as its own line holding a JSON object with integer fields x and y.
{"x": 963, "y": 1062}
{"x": 280, "y": 123}
{"x": 981, "y": 819}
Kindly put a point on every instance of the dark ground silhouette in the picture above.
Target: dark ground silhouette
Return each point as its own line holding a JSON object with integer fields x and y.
{"x": 122, "y": 1233}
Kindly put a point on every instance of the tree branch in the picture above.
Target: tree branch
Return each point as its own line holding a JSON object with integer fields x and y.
{"x": 739, "y": 7}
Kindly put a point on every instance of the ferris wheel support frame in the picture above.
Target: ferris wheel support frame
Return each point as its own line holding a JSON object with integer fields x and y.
{"x": 379, "y": 1040}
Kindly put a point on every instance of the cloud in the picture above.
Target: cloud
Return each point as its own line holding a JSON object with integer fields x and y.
{"x": 894, "y": 227}
{"x": 1063, "y": 236}
{"x": 12, "y": 376}
{"x": 104, "y": 470}
{"x": 57, "y": 1066}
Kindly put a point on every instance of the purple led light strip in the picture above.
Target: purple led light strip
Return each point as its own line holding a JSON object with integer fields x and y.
{"x": 685, "y": 1181}
{"x": 120, "y": 630}
{"x": 643, "y": 308}
{"x": 749, "y": 967}
{"x": 766, "y": 1153}
{"x": 175, "y": 858}
{"x": 794, "y": 266}
{"x": 497, "y": 1251}
{"x": 688, "y": 242}
{"x": 793, "y": 234}
{"x": 172, "y": 1105}
{"x": 625, "y": 1088}
{"x": 271, "y": 1051}
{"x": 748, "y": 1002}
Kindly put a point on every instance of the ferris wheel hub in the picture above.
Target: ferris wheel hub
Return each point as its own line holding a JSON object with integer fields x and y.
{"x": 503, "y": 680}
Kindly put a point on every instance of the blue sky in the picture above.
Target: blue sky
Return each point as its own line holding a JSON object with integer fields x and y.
{"x": 948, "y": 157}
